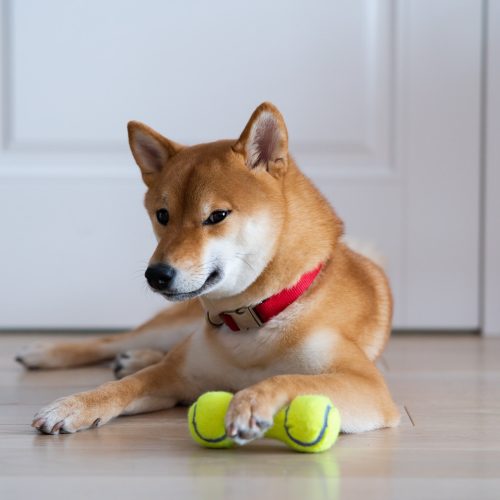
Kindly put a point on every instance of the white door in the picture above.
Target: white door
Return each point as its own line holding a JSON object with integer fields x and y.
{"x": 382, "y": 100}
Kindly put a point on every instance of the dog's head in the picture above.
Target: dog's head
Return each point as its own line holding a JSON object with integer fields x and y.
{"x": 217, "y": 209}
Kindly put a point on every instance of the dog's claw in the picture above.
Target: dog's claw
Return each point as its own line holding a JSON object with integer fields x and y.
{"x": 245, "y": 435}
{"x": 231, "y": 430}
{"x": 263, "y": 424}
{"x": 37, "y": 423}
{"x": 57, "y": 427}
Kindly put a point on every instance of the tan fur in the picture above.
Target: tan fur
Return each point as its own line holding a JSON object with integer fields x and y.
{"x": 324, "y": 343}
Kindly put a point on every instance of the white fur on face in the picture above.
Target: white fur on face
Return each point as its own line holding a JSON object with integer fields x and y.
{"x": 242, "y": 256}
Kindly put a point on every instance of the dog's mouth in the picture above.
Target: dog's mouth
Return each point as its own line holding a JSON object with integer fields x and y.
{"x": 213, "y": 278}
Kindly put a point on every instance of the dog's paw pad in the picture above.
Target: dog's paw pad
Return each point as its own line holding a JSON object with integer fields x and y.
{"x": 37, "y": 355}
{"x": 64, "y": 416}
{"x": 247, "y": 419}
{"x": 130, "y": 362}
{"x": 55, "y": 417}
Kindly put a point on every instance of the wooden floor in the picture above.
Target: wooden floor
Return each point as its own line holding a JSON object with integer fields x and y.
{"x": 448, "y": 445}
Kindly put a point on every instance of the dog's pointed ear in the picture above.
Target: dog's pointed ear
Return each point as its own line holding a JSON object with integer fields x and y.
{"x": 150, "y": 149}
{"x": 264, "y": 141}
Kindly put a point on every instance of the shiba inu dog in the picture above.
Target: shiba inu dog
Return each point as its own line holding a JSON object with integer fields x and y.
{"x": 272, "y": 302}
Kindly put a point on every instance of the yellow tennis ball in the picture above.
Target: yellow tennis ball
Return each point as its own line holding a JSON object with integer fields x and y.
{"x": 310, "y": 424}
{"x": 206, "y": 419}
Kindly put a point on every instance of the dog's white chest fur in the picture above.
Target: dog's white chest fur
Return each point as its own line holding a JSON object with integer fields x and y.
{"x": 235, "y": 360}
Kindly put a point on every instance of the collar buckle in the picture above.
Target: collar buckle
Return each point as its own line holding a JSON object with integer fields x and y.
{"x": 245, "y": 317}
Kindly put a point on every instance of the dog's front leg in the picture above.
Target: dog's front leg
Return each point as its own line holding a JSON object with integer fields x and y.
{"x": 154, "y": 388}
{"x": 356, "y": 388}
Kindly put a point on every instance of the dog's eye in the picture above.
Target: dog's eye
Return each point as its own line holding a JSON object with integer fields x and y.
{"x": 162, "y": 216}
{"x": 216, "y": 217}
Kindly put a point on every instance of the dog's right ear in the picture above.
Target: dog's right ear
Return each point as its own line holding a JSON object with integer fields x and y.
{"x": 150, "y": 149}
{"x": 264, "y": 141}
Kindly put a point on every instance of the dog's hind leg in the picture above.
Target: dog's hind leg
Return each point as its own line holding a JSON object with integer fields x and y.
{"x": 129, "y": 362}
{"x": 160, "y": 333}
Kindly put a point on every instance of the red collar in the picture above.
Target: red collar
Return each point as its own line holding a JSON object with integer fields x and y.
{"x": 246, "y": 318}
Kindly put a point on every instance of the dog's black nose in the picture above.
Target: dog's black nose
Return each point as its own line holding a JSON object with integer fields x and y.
{"x": 160, "y": 276}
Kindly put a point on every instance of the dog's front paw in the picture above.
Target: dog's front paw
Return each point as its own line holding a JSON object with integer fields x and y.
{"x": 66, "y": 415}
{"x": 130, "y": 362}
{"x": 39, "y": 355}
{"x": 248, "y": 417}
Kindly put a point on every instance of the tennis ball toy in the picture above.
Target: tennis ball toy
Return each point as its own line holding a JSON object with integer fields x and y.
{"x": 206, "y": 419}
{"x": 309, "y": 424}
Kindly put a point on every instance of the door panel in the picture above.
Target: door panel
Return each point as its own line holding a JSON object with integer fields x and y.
{"x": 381, "y": 99}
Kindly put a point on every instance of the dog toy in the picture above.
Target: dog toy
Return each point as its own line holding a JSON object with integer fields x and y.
{"x": 206, "y": 419}
{"x": 308, "y": 424}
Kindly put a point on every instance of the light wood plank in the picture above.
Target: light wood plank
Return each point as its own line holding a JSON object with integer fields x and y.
{"x": 449, "y": 385}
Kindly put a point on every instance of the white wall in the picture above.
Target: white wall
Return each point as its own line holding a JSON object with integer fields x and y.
{"x": 491, "y": 257}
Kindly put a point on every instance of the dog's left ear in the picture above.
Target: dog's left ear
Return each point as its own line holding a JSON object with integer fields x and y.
{"x": 264, "y": 141}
